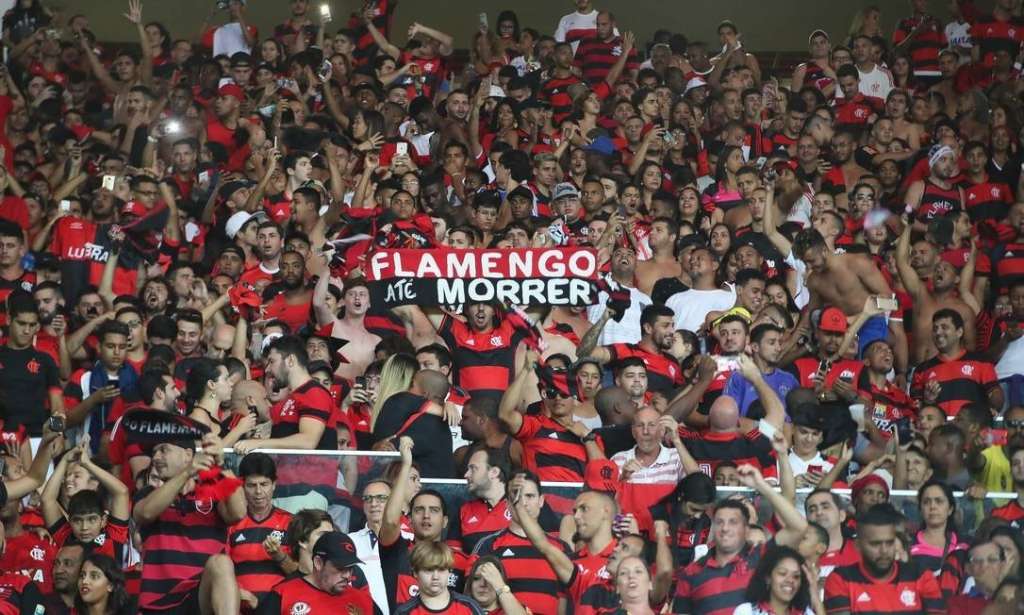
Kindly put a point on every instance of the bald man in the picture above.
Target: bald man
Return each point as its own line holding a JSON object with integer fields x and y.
{"x": 248, "y": 396}
{"x": 419, "y": 414}
{"x": 740, "y": 440}
{"x": 221, "y": 342}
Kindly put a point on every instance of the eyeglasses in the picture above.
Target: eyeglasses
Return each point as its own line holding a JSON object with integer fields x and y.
{"x": 991, "y": 561}
{"x": 375, "y": 498}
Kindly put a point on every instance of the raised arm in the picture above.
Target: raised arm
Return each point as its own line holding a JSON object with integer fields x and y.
{"x": 49, "y": 499}
{"x": 378, "y": 36}
{"x": 324, "y": 316}
{"x": 120, "y": 503}
{"x": 98, "y": 70}
{"x": 794, "y": 524}
{"x": 771, "y": 228}
{"x": 390, "y": 527}
{"x": 628, "y": 42}
{"x": 149, "y": 508}
{"x": 774, "y": 410}
{"x": 445, "y": 40}
{"x": 557, "y": 559}
{"x": 682, "y": 406}
{"x": 508, "y": 408}
{"x": 36, "y": 474}
{"x": 134, "y": 15}
{"x": 588, "y": 345}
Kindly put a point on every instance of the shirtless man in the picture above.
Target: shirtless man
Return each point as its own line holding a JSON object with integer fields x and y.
{"x": 844, "y": 143}
{"x": 897, "y": 107}
{"x": 351, "y": 327}
{"x": 945, "y": 282}
{"x": 949, "y": 62}
{"x": 663, "y": 264}
{"x": 842, "y": 280}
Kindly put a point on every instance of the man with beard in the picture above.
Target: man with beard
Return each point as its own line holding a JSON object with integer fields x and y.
{"x": 626, "y": 328}
{"x": 482, "y": 427}
{"x": 304, "y": 420}
{"x": 942, "y": 293}
{"x": 348, "y": 328}
{"x": 936, "y": 195}
{"x": 663, "y": 262}
{"x": 188, "y": 341}
{"x": 225, "y": 120}
{"x": 487, "y": 513}
{"x": 658, "y": 331}
{"x": 1013, "y": 511}
{"x": 289, "y": 300}
{"x": 184, "y": 154}
{"x": 12, "y": 249}
{"x": 29, "y": 379}
{"x": 827, "y": 510}
{"x": 692, "y": 306}
{"x": 845, "y": 171}
{"x": 880, "y": 583}
{"x": 97, "y": 395}
{"x": 269, "y": 244}
{"x": 53, "y": 323}
{"x": 955, "y": 376}
{"x": 766, "y": 345}
{"x": 256, "y": 570}
{"x": 886, "y": 402}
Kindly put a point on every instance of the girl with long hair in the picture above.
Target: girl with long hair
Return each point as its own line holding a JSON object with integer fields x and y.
{"x": 101, "y": 589}
{"x": 783, "y": 584}
{"x": 937, "y": 537}
{"x": 486, "y": 583}
{"x": 395, "y": 377}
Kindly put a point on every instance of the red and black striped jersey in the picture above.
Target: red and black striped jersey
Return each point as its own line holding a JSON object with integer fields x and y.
{"x": 175, "y": 548}
{"x": 804, "y": 369}
{"x": 707, "y": 587}
{"x": 855, "y": 113}
{"x": 953, "y": 574}
{"x": 908, "y": 588}
{"x": 550, "y": 450}
{"x": 557, "y": 92}
{"x": 254, "y": 569}
{"x": 964, "y": 379}
{"x": 992, "y": 35}
{"x": 297, "y": 596}
{"x": 366, "y": 49}
{"x": 937, "y": 201}
{"x": 483, "y": 362}
{"x": 591, "y": 593}
{"x": 779, "y": 140}
{"x": 888, "y": 404}
{"x": 110, "y": 542}
{"x": 476, "y": 520}
{"x": 834, "y": 182}
{"x": 663, "y": 372}
{"x": 457, "y": 605}
{"x": 1008, "y": 263}
{"x": 311, "y": 400}
{"x": 815, "y": 76}
{"x": 712, "y": 448}
{"x": 595, "y": 58}
{"x": 929, "y": 40}
{"x": 988, "y": 200}
{"x": 1012, "y": 512}
{"x": 19, "y": 595}
{"x": 527, "y": 572}
{"x": 846, "y": 555}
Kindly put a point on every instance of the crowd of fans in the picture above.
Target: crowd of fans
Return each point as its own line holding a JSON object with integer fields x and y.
{"x": 808, "y": 282}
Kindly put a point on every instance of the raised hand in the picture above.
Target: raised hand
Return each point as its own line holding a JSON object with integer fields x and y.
{"x": 134, "y": 13}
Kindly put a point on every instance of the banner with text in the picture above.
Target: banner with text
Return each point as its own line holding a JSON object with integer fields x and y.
{"x": 453, "y": 277}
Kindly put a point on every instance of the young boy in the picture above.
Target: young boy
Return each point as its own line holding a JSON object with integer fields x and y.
{"x": 431, "y": 564}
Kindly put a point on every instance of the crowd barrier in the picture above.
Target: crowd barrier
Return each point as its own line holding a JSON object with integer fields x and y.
{"x": 333, "y": 480}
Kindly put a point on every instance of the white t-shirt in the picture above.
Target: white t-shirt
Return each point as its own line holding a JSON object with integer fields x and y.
{"x": 627, "y": 330}
{"x": 749, "y": 608}
{"x": 1012, "y": 361}
{"x": 959, "y": 37}
{"x": 799, "y": 466}
{"x": 576, "y": 27}
{"x": 229, "y": 40}
{"x": 877, "y": 82}
{"x": 692, "y": 306}
{"x": 667, "y": 469}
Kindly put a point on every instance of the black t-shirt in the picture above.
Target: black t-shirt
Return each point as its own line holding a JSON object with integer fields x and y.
{"x": 434, "y": 454}
{"x": 26, "y": 377}
{"x": 616, "y": 438}
{"x": 665, "y": 288}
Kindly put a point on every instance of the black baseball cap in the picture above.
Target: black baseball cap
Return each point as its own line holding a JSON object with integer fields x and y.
{"x": 337, "y": 548}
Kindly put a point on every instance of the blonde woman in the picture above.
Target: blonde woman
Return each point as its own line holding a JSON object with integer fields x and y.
{"x": 395, "y": 377}
{"x": 867, "y": 21}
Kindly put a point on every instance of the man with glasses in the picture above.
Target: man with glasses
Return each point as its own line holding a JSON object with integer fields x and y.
{"x": 986, "y": 563}
{"x": 375, "y": 498}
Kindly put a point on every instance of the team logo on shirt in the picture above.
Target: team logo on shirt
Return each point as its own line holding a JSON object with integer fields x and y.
{"x": 967, "y": 370}
{"x": 617, "y": 50}
{"x": 37, "y": 554}
{"x": 508, "y": 514}
{"x": 32, "y": 366}
{"x": 496, "y": 341}
{"x": 995, "y": 191}
{"x": 908, "y": 597}
{"x": 300, "y": 608}
{"x": 277, "y": 535}
{"x": 100, "y": 540}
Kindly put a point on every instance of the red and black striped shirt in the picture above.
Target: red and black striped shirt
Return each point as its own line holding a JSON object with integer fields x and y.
{"x": 1009, "y": 263}
{"x": 908, "y": 588}
{"x": 110, "y": 542}
{"x": 1012, "y": 512}
{"x": 527, "y": 572}
{"x": 710, "y": 448}
{"x": 663, "y": 372}
{"x": 596, "y": 57}
{"x": 937, "y": 201}
{"x": 556, "y": 91}
{"x": 476, "y": 520}
{"x": 550, "y": 450}
{"x": 992, "y": 35}
{"x": 592, "y": 593}
{"x": 707, "y": 587}
{"x": 988, "y": 201}
{"x": 483, "y": 362}
{"x": 175, "y": 548}
{"x": 310, "y": 400}
{"x": 254, "y": 569}
{"x": 964, "y": 379}
{"x": 926, "y": 45}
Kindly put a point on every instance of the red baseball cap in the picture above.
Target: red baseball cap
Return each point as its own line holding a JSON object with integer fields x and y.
{"x": 601, "y": 475}
{"x": 833, "y": 320}
{"x": 232, "y": 89}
